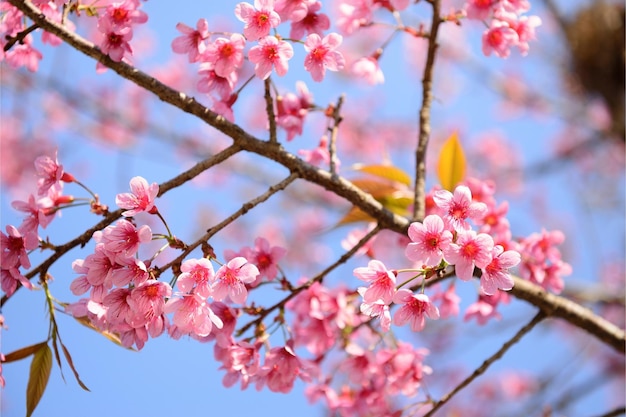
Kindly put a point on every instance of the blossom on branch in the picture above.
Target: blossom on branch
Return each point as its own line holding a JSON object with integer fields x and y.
{"x": 322, "y": 55}
{"x": 140, "y": 199}
{"x": 270, "y": 53}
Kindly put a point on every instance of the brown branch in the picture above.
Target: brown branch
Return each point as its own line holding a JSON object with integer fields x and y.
{"x": 318, "y": 278}
{"x": 551, "y": 304}
{"x": 488, "y": 362}
{"x": 19, "y": 37}
{"x": 334, "y": 131}
{"x": 419, "y": 202}
{"x": 243, "y": 210}
{"x": 619, "y": 411}
{"x": 269, "y": 108}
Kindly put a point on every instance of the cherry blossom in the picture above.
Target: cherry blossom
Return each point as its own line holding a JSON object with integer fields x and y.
{"x": 230, "y": 279}
{"x": 240, "y": 360}
{"x": 115, "y": 41}
{"x": 140, "y": 199}
{"x": 265, "y": 257}
{"x": 382, "y": 282}
{"x": 50, "y": 172}
{"x": 369, "y": 70}
{"x": 13, "y": 249}
{"x": 294, "y": 10}
{"x": 429, "y": 241}
{"x": 270, "y": 52}
{"x": 456, "y": 208}
{"x": 191, "y": 42}
{"x": 312, "y": 22}
{"x": 415, "y": 308}
{"x": 124, "y": 238}
{"x": 259, "y": 19}
{"x": 322, "y": 55}
{"x": 499, "y": 39}
{"x": 197, "y": 276}
{"x": 9, "y": 278}
{"x": 226, "y": 54}
{"x": 469, "y": 250}
{"x": 496, "y": 275}
{"x": 281, "y": 368}
{"x": 377, "y": 308}
{"x": 192, "y": 315}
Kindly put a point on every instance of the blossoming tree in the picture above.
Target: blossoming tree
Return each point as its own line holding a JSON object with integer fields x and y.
{"x": 311, "y": 244}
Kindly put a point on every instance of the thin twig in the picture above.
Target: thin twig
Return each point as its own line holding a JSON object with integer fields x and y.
{"x": 318, "y": 278}
{"x": 488, "y": 362}
{"x": 215, "y": 229}
{"x": 619, "y": 411}
{"x": 334, "y": 131}
{"x": 419, "y": 203}
{"x": 269, "y": 107}
{"x": 19, "y": 37}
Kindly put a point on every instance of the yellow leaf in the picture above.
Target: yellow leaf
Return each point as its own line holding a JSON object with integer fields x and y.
{"x": 451, "y": 167}
{"x": 355, "y": 215}
{"x": 385, "y": 171}
{"x": 38, "y": 378}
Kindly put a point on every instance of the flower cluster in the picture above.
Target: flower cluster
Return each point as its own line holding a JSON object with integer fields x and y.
{"x": 507, "y": 27}
{"x": 115, "y": 28}
{"x": 445, "y": 237}
{"x": 40, "y": 211}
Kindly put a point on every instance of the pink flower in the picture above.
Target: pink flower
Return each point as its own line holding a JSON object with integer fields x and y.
{"x": 450, "y": 301}
{"x": 115, "y": 41}
{"x": 9, "y": 277}
{"x": 429, "y": 240}
{"x": 123, "y": 14}
{"x": 479, "y": 9}
{"x": 499, "y": 38}
{"x": 312, "y": 22}
{"x": 485, "y": 308}
{"x": 117, "y": 308}
{"x": 123, "y": 239}
{"x": 226, "y": 54}
{"x": 496, "y": 274}
{"x": 240, "y": 360}
{"x": 376, "y": 308}
{"x": 456, "y": 208}
{"x": 210, "y": 82}
{"x": 291, "y": 109}
{"x": 270, "y": 52}
{"x": 415, "y": 309}
{"x": 318, "y": 156}
{"x": 265, "y": 257}
{"x": 197, "y": 275}
{"x": 191, "y": 41}
{"x": 259, "y": 19}
{"x": 469, "y": 250}
{"x": 281, "y": 368}
{"x": 140, "y": 199}
{"x": 148, "y": 300}
{"x": 368, "y": 69}
{"x": 192, "y": 315}
{"x": 24, "y": 54}
{"x": 50, "y": 172}
{"x": 230, "y": 280}
{"x": 353, "y": 14}
{"x": 129, "y": 270}
{"x": 525, "y": 28}
{"x": 13, "y": 249}
{"x": 382, "y": 282}
{"x": 322, "y": 54}
{"x": 294, "y": 10}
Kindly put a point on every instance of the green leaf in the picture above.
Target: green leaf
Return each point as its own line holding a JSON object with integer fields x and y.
{"x": 451, "y": 167}
{"x": 385, "y": 171}
{"x": 38, "y": 379}
{"x": 68, "y": 357}
{"x": 23, "y": 352}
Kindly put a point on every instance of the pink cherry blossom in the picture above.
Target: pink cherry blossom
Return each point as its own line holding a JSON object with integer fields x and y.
{"x": 479, "y": 9}
{"x": 123, "y": 14}
{"x": 115, "y": 41}
{"x": 456, "y": 208}
{"x": 129, "y": 270}
{"x": 415, "y": 308}
{"x": 270, "y": 52}
{"x": 377, "y": 308}
{"x": 9, "y": 278}
{"x": 118, "y": 310}
{"x": 124, "y": 238}
{"x": 259, "y": 19}
{"x": 354, "y": 14}
{"x": 449, "y": 302}
{"x": 322, "y": 55}
{"x": 499, "y": 39}
{"x": 294, "y": 10}
{"x": 240, "y": 360}
{"x": 382, "y": 282}
{"x": 496, "y": 274}
{"x": 13, "y": 249}
{"x": 192, "y": 315}
{"x": 210, "y": 82}
{"x": 230, "y": 280}
{"x": 140, "y": 199}
{"x": 148, "y": 300}
{"x": 429, "y": 241}
{"x": 369, "y": 70}
{"x": 469, "y": 250}
{"x": 50, "y": 172}
{"x": 226, "y": 54}
{"x": 319, "y": 156}
{"x": 281, "y": 368}
{"x": 291, "y": 110}
{"x": 312, "y": 22}
{"x": 24, "y": 54}
{"x": 265, "y": 257}
{"x": 525, "y": 27}
{"x": 484, "y": 309}
{"x": 191, "y": 42}
{"x": 197, "y": 276}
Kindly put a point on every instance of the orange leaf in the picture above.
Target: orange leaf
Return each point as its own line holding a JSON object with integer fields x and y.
{"x": 16, "y": 355}
{"x": 451, "y": 167}
{"x": 38, "y": 379}
{"x": 385, "y": 171}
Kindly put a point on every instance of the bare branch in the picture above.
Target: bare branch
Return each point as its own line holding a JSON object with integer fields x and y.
{"x": 487, "y": 363}
{"x": 269, "y": 108}
{"x": 419, "y": 202}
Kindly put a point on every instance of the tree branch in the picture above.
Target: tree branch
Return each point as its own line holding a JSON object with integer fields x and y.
{"x": 419, "y": 202}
